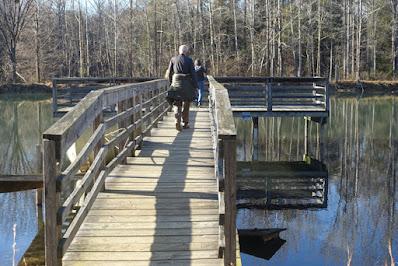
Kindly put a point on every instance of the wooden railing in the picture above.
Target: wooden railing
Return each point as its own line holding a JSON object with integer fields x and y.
{"x": 139, "y": 108}
{"x": 224, "y": 140}
{"x": 279, "y": 94}
{"x": 66, "y": 92}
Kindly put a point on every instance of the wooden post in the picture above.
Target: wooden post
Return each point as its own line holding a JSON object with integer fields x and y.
{"x": 327, "y": 98}
{"x": 156, "y": 103}
{"x": 150, "y": 108}
{"x": 230, "y": 201}
{"x": 52, "y": 202}
{"x": 39, "y": 170}
{"x": 121, "y": 107}
{"x": 139, "y": 132}
{"x": 269, "y": 97}
{"x": 306, "y": 139}
{"x": 97, "y": 121}
{"x": 220, "y": 158}
{"x": 255, "y": 141}
{"x": 133, "y": 118}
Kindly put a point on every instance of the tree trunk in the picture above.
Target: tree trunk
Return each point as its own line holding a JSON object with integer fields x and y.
{"x": 80, "y": 37}
{"x": 253, "y": 55}
{"x": 235, "y": 30}
{"x": 155, "y": 37}
{"x": 331, "y": 62}
{"x": 87, "y": 44}
{"x": 13, "y": 57}
{"x": 300, "y": 53}
{"x": 115, "y": 32}
{"x": 374, "y": 41}
{"x": 211, "y": 37}
{"x": 318, "y": 59}
{"x": 279, "y": 19}
{"x": 358, "y": 55}
{"x": 394, "y": 37}
{"x": 37, "y": 42}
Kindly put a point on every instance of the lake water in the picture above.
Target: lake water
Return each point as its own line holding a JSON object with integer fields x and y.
{"x": 359, "y": 225}
{"x": 23, "y": 119}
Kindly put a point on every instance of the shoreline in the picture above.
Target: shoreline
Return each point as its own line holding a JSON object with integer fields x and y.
{"x": 25, "y": 88}
{"x": 366, "y": 87}
{"x": 345, "y": 87}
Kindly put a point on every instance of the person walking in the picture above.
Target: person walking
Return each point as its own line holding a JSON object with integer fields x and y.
{"x": 182, "y": 92}
{"x": 200, "y": 75}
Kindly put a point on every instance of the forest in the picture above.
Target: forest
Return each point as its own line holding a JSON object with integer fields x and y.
{"x": 339, "y": 39}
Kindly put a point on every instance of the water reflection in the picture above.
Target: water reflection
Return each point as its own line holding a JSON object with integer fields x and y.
{"x": 23, "y": 118}
{"x": 279, "y": 185}
{"x": 359, "y": 226}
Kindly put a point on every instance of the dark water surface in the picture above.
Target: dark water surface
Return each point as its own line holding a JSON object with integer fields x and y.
{"x": 360, "y": 224}
{"x": 23, "y": 118}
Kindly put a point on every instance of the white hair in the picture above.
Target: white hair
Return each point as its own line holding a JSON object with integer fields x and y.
{"x": 183, "y": 49}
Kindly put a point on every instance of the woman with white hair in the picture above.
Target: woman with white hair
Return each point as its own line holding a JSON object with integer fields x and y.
{"x": 183, "y": 85}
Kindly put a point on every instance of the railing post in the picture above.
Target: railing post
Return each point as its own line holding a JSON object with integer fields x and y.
{"x": 97, "y": 121}
{"x": 306, "y": 137}
{"x": 269, "y": 97}
{"x": 133, "y": 118}
{"x": 121, "y": 107}
{"x": 140, "y": 111}
{"x": 229, "y": 146}
{"x": 52, "y": 201}
{"x": 327, "y": 99}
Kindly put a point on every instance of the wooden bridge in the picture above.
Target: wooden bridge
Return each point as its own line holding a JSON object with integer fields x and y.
{"x": 150, "y": 195}
{"x": 172, "y": 202}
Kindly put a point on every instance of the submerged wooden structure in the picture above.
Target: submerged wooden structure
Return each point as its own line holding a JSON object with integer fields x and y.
{"x": 151, "y": 195}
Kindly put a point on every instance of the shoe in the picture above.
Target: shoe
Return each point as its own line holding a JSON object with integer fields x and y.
{"x": 178, "y": 127}
{"x": 186, "y": 125}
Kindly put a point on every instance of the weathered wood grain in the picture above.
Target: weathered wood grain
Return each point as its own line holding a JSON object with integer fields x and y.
{"x": 162, "y": 205}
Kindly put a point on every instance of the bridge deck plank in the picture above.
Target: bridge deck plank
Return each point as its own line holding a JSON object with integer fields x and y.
{"x": 160, "y": 208}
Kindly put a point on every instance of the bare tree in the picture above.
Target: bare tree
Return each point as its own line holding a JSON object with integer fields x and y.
{"x": 13, "y": 17}
{"x": 394, "y": 37}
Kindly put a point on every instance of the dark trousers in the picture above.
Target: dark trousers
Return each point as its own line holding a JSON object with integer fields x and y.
{"x": 183, "y": 111}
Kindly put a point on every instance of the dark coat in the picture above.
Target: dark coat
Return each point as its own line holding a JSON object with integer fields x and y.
{"x": 183, "y": 80}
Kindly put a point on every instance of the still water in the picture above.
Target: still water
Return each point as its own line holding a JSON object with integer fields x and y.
{"x": 360, "y": 224}
{"x": 358, "y": 227}
{"x": 23, "y": 118}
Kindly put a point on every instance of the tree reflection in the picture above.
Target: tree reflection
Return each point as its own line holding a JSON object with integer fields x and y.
{"x": 22, "y": 121}
{"x": 359, "y": 227}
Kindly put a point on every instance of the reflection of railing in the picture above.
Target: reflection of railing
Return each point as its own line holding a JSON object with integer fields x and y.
{"x": 139, "y": 106}
{"x": 224, "y": 139}
{"x": 282, "y": 185}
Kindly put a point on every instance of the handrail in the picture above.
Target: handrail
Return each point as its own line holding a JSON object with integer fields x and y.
{"x": 140, "y": 107}
{"x": 71, "y": 87}
{"x": 224, "y": 140}
{"x": 284, "y": 93}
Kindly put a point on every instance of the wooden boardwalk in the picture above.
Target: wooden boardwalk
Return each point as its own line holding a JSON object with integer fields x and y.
{"x": 158, "y": 208}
